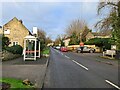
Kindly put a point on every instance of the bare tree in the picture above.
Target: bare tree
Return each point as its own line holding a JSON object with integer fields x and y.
{"x": 57, "y": 40}
{"x": 76, "y": 26}
{"x": 112, "y": 21}
{"x": 105, "y": 24}
{"x": 41, "y": 34}
{"x": 48, "y": 40}
{"x": 42, "y": 37}
{"x": 75, "y": 30}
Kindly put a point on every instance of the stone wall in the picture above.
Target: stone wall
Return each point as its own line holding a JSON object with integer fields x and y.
{"x": 89, "y": 36}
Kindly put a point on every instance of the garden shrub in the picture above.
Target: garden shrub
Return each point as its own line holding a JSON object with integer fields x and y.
{"x": 5, "y": 42}
{"x": 16, "y": 49}
{"x": 100, "y": 42}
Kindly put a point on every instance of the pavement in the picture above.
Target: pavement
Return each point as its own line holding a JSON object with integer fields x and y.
{"x": 75, "y": 70}
{"x": 31, "y": 70}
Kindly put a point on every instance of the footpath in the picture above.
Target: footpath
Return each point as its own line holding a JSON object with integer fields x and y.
{"x": 32, "y": 70}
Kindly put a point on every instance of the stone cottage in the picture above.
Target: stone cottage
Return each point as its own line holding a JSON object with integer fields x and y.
{"x": 1, "y": 31}
{"x": 15, "y": 31}
{"x": 91, "y": 35}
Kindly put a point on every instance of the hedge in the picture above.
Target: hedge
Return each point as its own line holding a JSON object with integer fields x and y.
{"x": 101, "y": 42}
{"x": 16, "y": 49}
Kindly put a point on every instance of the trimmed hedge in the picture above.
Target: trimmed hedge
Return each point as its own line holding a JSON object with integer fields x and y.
{"x": 5, "y": 42}
{"x": 16, "y": 49}
{"x": 100, "y": 42}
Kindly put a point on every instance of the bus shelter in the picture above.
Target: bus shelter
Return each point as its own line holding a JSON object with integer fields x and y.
{"x": 31, "y": 48}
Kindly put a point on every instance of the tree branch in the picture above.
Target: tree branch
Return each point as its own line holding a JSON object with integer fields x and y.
{"x": 104, "y": 4}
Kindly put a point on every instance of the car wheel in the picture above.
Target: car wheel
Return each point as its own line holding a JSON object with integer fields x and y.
{"x": 78, "y": 51}
{"x": 91, "y": 51}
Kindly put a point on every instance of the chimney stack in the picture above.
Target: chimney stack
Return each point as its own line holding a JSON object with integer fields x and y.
{"x": 21, "y": 21}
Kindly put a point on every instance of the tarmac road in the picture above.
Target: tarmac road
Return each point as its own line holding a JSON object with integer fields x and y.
{"x": 72, "y": 70}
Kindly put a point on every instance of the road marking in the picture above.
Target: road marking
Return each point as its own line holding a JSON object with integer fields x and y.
{"x": 67, "y": 57}
{"x": 57, "y": 51}
{"x": 61, "y": 53}
{"x": 80, "y": 65}
{"x": 112, "y": 84}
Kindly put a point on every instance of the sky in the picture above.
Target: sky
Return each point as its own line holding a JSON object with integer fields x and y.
{"x": 53, "y": 17}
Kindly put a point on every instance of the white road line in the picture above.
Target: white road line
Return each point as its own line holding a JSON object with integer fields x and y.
{"x": 112, "y": 84}
{"x": 57, "y": 51}
{"x": 61, "y": 53}
{"x": 67, "y": 57}
{"x": 80, "y": 65}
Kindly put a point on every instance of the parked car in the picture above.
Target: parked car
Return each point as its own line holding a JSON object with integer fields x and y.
{"x": 63, "y": 49}
{"x": 85, "y": 49}
{"x": 57, "y": 47}
{"x": 54, "y": 47}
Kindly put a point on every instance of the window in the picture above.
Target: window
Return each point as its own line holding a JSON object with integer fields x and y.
{"x": 6, "y": 31}
{"x": 15, "y": 43}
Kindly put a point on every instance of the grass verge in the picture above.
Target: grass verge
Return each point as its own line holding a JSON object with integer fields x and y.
{"x": 15, "y": 83}
{"x": 46, "y": 51}
{"x": 107, "y": 57}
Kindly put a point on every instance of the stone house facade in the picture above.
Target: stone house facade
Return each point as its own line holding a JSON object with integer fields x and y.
{"x": 91, "y": 35}
{"x": 15, "y": 31}
{"x": 1, "y": 31}
{"x": 66, "y": 41}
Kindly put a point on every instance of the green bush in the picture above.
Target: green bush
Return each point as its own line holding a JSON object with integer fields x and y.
{"x": 16, "y": 49}
{"x": 100, "y": 42}
{"x": 5, "y": 42}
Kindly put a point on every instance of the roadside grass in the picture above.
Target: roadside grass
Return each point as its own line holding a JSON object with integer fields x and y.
{"x": 108, "y": 57}
{"x": 15, "y": 83}
{"x": 46, "y": 51}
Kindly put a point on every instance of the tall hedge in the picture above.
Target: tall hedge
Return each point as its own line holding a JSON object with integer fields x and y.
{"x": 5, "y": 42}
{"x": 100, "y": 42}
{"x": 16, "y": 49}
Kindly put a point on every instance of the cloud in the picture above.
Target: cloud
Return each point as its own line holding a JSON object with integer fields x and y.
{"x": 53, "y": 17}
{"x": 49, "y": 1}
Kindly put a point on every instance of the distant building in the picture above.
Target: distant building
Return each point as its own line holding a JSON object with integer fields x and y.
{"x": 15, "y": 31}
{"x": 66, "y": 41}
{"x": 50, "y": 44}
{"x": 91, "y": 35}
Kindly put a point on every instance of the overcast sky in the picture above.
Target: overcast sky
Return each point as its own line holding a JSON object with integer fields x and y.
{"x": 53, "y": 17}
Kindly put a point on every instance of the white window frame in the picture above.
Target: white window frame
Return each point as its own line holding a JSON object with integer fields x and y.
{"x": 7, "y": 31}
{"x": 16, "y": 43}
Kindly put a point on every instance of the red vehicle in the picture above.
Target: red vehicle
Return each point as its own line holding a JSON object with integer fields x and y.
{"x": 63, "y": 49}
